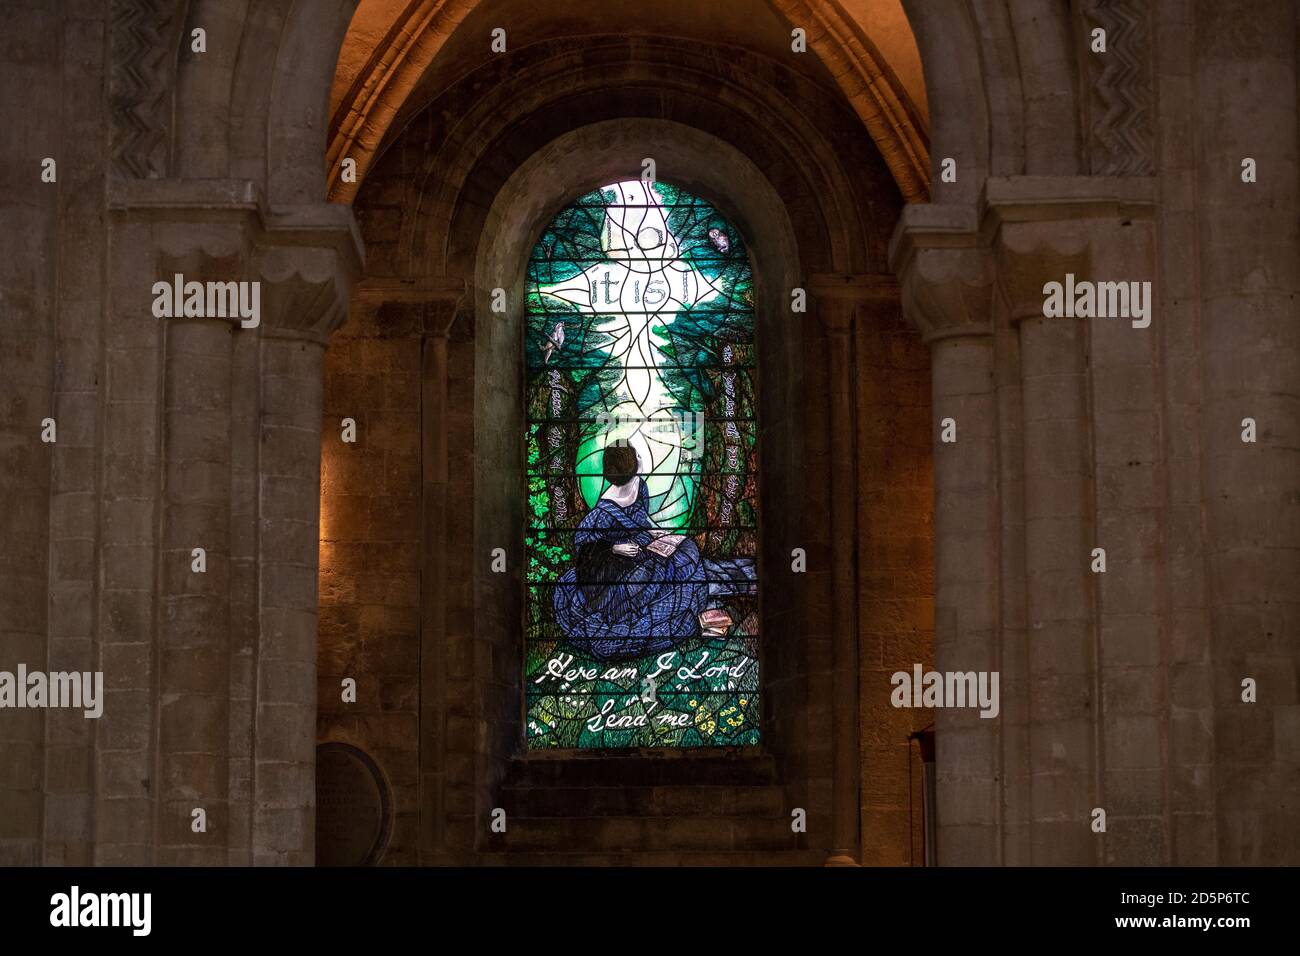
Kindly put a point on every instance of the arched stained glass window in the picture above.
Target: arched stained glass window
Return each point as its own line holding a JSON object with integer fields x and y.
{"x": 642, "y": 521}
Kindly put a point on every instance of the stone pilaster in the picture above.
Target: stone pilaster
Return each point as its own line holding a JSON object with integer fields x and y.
{"x": 193, "y": 607}
{"x": 1090, "y": 450}
{"x": 305, "y": 294}
{"x": 212, "y": 441}
{"x": 837, "y": 313}
{"x": 947, "y": 280}
{"x": 435, "y": 638}
{"x": 1059, "y": 537}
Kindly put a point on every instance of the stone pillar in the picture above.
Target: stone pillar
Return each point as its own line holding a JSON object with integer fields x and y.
{"x": 193, "y": 645}
{"x": 124, "y": 819}
{"x": 245, "y": 462}
{"x": 1060, "y": 534}
{"x": 1192, "y": 836}
{"x": 1063, "y": 461}
{"x": 1128, "y": 471}
{"x": 837, "y": 315}
{"x": 212, "y": 441}
{"x": 435, "y": 654}
{"x": 1091, "y": 445}
{"x": 305, "y": 291}
{"x": 947, "y": 287}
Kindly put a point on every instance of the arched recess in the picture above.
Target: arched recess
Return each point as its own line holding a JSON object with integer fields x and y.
{"x": 999, "y": 83}
{"x": 786, "y": 124}
{"x": 373, "y": 89}
{"x": 432, "y": 215}
{"x": 563, "y": 169}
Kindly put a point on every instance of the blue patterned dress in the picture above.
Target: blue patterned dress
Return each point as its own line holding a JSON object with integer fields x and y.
{"x": 617, "y": 607}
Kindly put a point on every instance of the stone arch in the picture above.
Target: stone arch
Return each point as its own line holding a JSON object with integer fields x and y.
{"x": 979, "y": 60}
{"x": 959, "y": 104}
{"x": 370, "y": 104}
{"x": 279, "y": 74}
{"x": 540, "y": 188}
{"x": 524, "y": 104}
{"x": 878, "y": 97}
{"x": 254, "y": 106}
{"x": 426, "y": 211}
{"x": 1002, "y": 90}
{"x": 297, "y": 122}
{"x": 215, "y": 168}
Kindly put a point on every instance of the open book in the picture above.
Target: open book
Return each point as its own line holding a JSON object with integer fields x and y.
{"x": 714, "y": 622}
{"x": 666, "y": 544}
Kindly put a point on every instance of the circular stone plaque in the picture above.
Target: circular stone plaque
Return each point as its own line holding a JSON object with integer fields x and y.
{"x": 353, "y": 807}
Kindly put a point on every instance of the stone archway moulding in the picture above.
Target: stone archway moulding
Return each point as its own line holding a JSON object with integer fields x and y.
{"x": 364, "y": 110}
{"x": 716, "y": 171}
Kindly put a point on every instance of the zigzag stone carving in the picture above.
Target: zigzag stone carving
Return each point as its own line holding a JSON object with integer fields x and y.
{"x": 1120, "y": 141}
{"x": 145, "y": 39}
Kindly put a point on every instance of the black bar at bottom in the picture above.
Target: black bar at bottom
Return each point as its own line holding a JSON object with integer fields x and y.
{"x": 485, "y": 907}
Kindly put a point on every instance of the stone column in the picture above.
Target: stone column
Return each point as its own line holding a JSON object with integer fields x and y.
{"x": 193, "y": 644}
{"x": 305, "y": 291}
{"x": 947, "y": 286}
{"x": 123, "y": 822}
{"x": 1177, "y": 329}
{"x": 438, "y": 318}
{"x": 1090, "y": 444}
{"x": 1062, "y": 689}
{"x": 837, "y": 315}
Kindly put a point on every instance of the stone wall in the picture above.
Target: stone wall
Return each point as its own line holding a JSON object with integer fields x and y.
{"x": 419, "y": 210}
{"x": 29, "y": 319}
{"x": 895, "y": 576}
{"x": 370, "y": 553}
{"x": 1124, "y": 689}
{"x": 1121, "y": 691}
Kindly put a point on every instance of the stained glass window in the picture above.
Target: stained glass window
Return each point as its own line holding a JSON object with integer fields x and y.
{"x": 642, "y": 488}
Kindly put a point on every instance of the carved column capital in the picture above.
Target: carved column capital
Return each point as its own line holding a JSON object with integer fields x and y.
{"x": 946, "y": 271}
{"x": 1031, "y": 254}
{"x": 306, "y": 260}
{"x": 303, "y": 296}
{"x": 1044, "y": 227}
{"x": 209, "y": 257}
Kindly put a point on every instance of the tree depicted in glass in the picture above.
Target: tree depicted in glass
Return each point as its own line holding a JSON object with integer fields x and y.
{"x": 642, "y": 518}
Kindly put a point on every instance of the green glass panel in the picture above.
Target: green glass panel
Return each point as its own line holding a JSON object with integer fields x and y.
{"x": 642, "y": 518}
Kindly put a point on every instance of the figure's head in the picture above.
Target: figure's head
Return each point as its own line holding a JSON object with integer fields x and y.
{"x": 619, "y": 464}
